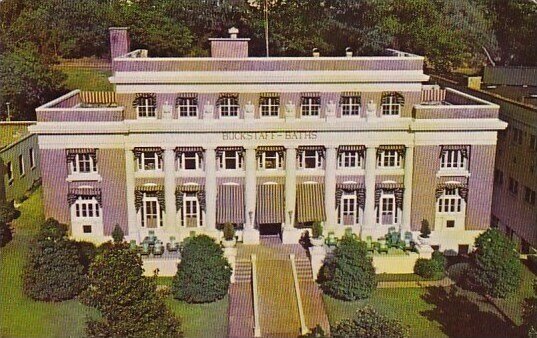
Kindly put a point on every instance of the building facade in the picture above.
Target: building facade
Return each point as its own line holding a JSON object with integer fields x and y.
{"x": 19, "y": 160}
{"x": 184, "y": 145}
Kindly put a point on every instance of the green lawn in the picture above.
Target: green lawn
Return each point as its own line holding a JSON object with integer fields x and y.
{"x": 87, "y": 78}
{"x": 512, "y": 304}
{"x": 23, "y": 317}
{"x": 399, "y": 277}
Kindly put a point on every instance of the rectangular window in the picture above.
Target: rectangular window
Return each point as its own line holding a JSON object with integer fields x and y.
{"x": 149, "y": 160}
{"x": 389, "y": 159}
{"x": 450, "y": 202}
{"x": 87, "y": 207}
{"x": 450, "y": 224}
{"x": 350, "y": 159}
{"x": 190, "y": 160}
{"x": 533, "y": 142}
{"x": 498, "y": 176}
{"x": 387, "y": 211}
{"x": 350, "y": 106}
{"x": 270, "y": 160}
{"x": 22, "y": 170}
{"x": 229, "y": 106}
{"x": 269, "y": 106}
{"x": 517, "y": 136}
{"x": 513, "y": 186}
{"x": 231, "y": 159}
{"x": 32, "y": 158}
{"x": 529, "y": 196}
{"x": 9, "y": 169}
{"x": 84, "y": 164}
{"x": 191, "y": 211}
{"x": 187, "y": 107}
{"x": 310, "y": 106}
{"x": 86, "y": 229}
{"x": 453, "y": 159}
{"x": 151, "y": 213}
{"x": 311, "y": 159}
{"x": 349, "y": 209}
{"x": 146, "y": 107}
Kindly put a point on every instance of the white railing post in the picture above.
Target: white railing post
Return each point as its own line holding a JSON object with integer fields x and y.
{"x": 303, "y": 328}
{"x": 257, "y": 326}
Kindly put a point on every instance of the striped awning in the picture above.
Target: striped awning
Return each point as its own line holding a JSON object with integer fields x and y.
{"x": 272, "y": 95}
{"x": 74, "y": 193}
{"x": 357, "y": 96}
{"x": 151, "y": 190}
{"x": 139, "y": 150}
{"x": 98, "y": 97}
{"x": 182, "y": 98}
{"x": 455, "y": 147}
{"x": 310, "y": 202}
{"x": 190, "y": 188}
{"x": 433, "y": 95}
{"x": 357, "y": 188}
{"x": 359, "y": 148}
{"x": 398, "y": 98}
{"x": 304, "y": 148}
{"x": 397, "y": 147}
{"x": 463, "y": 189}
{"x": 396, "y": 188}
{"x": 270, "y": 204}
{"x": 279, "y": 149}
{"x": 220, "y": 150}
{"x": 140, "y": 97}
{"x": 71, "y": 153}
{"x": 230, "y": 204}
{"x": 180, "y": 150}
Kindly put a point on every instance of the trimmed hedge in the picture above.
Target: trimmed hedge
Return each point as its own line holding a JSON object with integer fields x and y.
{"x": 434, "y": 268}
{"x": 203, "y": 273}
{"x": 367, "y": 322}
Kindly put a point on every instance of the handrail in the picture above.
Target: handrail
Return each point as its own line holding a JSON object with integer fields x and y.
{"x": 303, "y": 328}
{"x": 257, "y": 326}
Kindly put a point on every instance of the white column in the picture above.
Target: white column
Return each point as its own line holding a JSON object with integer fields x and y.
{"x": 169, "y": 188}
{"x": 370, "y": 175}
{"x": 330, "y": 188}
{"x": 290, "y": 234}
{"x": 210, "y": 189}
{"x": 407, "y": 196}
{"x": 131, "y": 208}
{"x": 250, "y": 235}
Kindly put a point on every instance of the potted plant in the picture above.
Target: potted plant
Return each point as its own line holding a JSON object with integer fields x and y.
{"x": 317, "y": 238}
{"x": 229, "y": 240}
{"x": 425, "y": 231}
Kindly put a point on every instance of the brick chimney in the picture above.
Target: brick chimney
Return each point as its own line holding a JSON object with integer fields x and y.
{"x": 232, "y": 47}
{"x": 120, "y": 43}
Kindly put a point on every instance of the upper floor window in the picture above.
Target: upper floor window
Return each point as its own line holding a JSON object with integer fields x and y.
{"x": 9, "y": 172}
{"x": 311, "y": 157}
{"x": 87, "y": 207}
{"x": 270, "y": 157}
{"x": 390, "y": 156}
{"x": 450, "y": 201}
{"x": 454, "y": 157}
{"x": 533, "y": 142}
{"x": 82, "y": 161}
{"x": 513, "y": 186}
{"x": 350, "y": 104}
{"x": 187, "y": 106}
{"x": 351, "y": 156}
{"x": 498, "y": 176}
{"x": 231, "y": 158}
{"x": 529, "y": 196}
{"x": 310, "y": 105}
{"x": 391, "y": 104}
{"x": 517, "y": 136}
{"x": 189, "y": 158}
{"x": 31, "y": 152}
{"x": 146, "y": 105}
{"x": 269, "y": 106}
{"x": 228, "y": 105}
{"x": 148, "y": 159}
{"x": 22, "y": 169}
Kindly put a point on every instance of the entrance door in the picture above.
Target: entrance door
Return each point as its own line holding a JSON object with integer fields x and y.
{"x": 191, "y": 212}
{"x": 267, "y": 229}
{"x": 151, "y": 213}
{"x": 387, "y": 212}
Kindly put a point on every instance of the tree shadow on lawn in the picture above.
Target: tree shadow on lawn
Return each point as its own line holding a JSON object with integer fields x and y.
{"x": 462, "y": 313}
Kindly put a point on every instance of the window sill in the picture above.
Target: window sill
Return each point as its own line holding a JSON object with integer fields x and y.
{"x": 84, "y": 177}
{"x": 453, "y": 172}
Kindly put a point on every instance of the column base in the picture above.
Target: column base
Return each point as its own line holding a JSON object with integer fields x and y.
{"x": 425, "y": 251}
{"x": 250, "y": 237}
{"x": 317, "y": 254}
{"x": 291, "y": 235}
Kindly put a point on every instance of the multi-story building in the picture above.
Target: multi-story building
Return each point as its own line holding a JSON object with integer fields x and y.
{"x": 19, "y": 160}
{"x": 269, "y": 144}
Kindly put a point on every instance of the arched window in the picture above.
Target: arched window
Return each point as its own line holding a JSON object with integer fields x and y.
{"x": 145, "y": 105}
{"x": 392, "y": 103}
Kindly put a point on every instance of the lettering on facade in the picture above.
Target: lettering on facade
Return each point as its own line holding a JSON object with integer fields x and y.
{"x": 269, "y": 135}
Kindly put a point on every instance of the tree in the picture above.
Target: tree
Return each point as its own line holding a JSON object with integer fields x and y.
{"x": 367, "y": 322}
{"x": 54, "y": 271}
{"x": 530, "y": 313}
{"x": 28, "y": 81}
{"x": 8, "y": 212}
{"x": 203, "y": 273}
{"x": 129, "y": 303}
{"x": 349, "y": 274}
{"x": 117, "y": 234}
{"x": 495, "y": 268}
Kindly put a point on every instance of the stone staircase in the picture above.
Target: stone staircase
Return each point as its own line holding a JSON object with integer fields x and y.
{"x": 243, "y": 270}
{"x": 240, "y": 312}
{"x": 303, "y": 269}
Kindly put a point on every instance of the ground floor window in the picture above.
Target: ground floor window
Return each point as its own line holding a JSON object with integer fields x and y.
{"x": 191, "y": 213}
{"x": 387, "y": 211}
{"x": 151, "y": 213}
{"x": 348, "y": 210}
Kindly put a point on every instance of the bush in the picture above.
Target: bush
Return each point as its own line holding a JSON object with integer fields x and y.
{"x": 532, "y": 261}
{"x": 54, "y": 271}
{"x": 129, "y": 303}
{"x": 316, "y": 332}
{"x": 117, "y": 234}
{"x": 203, "y": 273}
{"x": 369, "y": 323}
{"x": 8, "y": 212}
{"x": 6, "y": 234}
{"x": 317, "y": 230}
{"x": 349, "y": 274}
{"x": 495, "y": 267}
{"x": 229, "y": 232}
{"x": 530, "y": 313}
{"x": 433, "y": 268}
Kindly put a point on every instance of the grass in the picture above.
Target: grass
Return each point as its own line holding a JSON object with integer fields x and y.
{"x": 511, "y": 305}
{"x": 86, "y": 78}
{"x": 21, "y": 316}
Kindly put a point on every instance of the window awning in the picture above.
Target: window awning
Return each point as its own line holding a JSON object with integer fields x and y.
{"x": 400, "y": 148}
{"x": 139, "y": 150}
{"x": 270, "y": 203}
{"x": 357, "y": 188}
{"x": 230, "y": 204}
{"x": 273, "y": 95}
{"x": 98, "y": 97}
{"x": 220, "y": 150}
{"x": 455, "y": 147}
{"x": 279, "y": 149}
{"x": 71, "y": 153}
{"x": 396, "y": 188}
{"x": 152, "y": 190}
{"x": 192, "y": 188}
{"x": 142, "y": 96}
{"x": 351, "y": 94}
{"x": 310, "y": 202}
{"x": 398, "y": 98}
{"x": 463, "y": 189}
{"x": 180, "y": 150}
{"x": 74, "y": 193}
{"x": 359, "y": 148}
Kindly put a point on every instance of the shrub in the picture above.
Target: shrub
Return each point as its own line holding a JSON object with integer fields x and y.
{"x": 8, "y": 212}
{"x": 425, "y": 230}
{"x": 203, "y": 273}
{"x": 54, "y": 271}
{"x": 117, "y": 234}
{"x": 87, "y": 252}
{"x": 6, "y": 234}
{"x": 433, "y": 268}
{"x": 369, "y": 323}
{"x": 530, "y": 313}
{"x": 317, "y": 230}
{"x": 532, "y": 261}
{"x": 129, "y": 303}
{"x": 349, "y": 274}
{"x": 229, "y": 232}
{"x": 495, "y": 267}
{"x": 316, "y": 332}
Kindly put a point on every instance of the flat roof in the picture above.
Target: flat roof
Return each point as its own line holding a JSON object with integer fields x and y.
{"x": 13, "y": 131}
{"x": 522, "y": 94}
